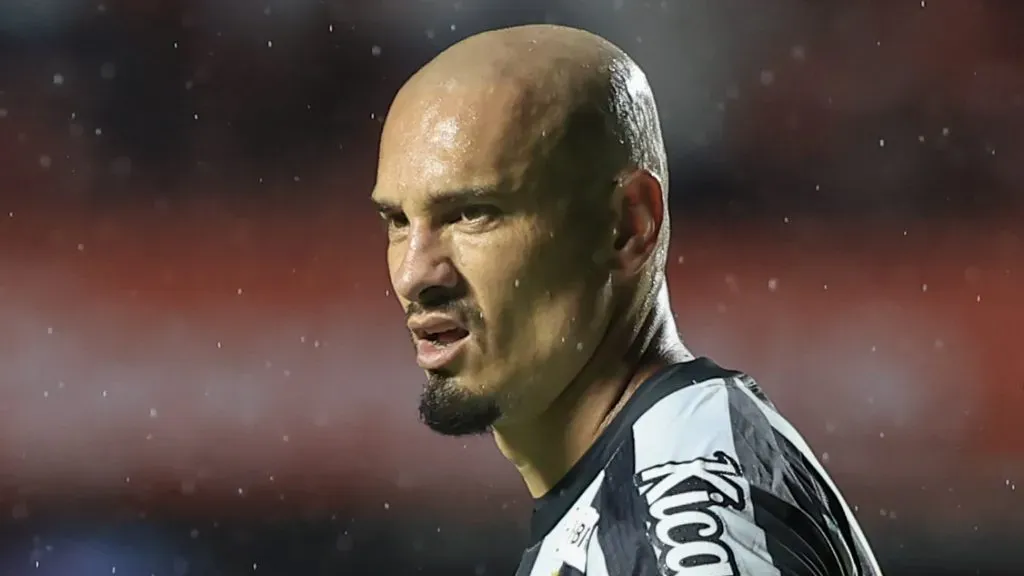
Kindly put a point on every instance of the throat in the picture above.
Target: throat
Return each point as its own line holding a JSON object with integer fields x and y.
{"x": 546, "y": 448}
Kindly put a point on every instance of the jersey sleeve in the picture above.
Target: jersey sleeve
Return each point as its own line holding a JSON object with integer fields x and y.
{"x": 724, "y": 492}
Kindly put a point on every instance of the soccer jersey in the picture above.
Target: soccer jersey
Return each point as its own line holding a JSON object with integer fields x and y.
{"x": 698, "y": 475}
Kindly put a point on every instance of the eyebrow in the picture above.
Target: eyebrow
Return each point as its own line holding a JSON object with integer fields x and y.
{"x": 443, "y": 198}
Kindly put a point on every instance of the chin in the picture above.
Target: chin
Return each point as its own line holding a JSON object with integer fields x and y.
{"x": 450, "y": 408}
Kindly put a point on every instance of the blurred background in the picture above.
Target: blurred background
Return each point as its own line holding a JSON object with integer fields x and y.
{"x": 202, "y": 371}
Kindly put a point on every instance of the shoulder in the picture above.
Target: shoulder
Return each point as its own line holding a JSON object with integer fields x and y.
{"x": 725, "y": 422}
{"x": 696, "y": 410}
{"x": 710, "y": 450}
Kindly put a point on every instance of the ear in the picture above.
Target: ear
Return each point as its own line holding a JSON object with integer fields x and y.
{"x": 640, "y": 212}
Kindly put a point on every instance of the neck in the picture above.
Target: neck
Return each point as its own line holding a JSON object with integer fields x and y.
{"x": 546, "y": 447}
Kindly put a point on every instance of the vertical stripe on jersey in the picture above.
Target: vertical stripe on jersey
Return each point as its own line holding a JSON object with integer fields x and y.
{"x": 783, "y": 430}
{"x": 757, "y": 450}
{"x": 622, "y": 528}
{"x": 700, "y": 425}
{"x": 790, "y": 504}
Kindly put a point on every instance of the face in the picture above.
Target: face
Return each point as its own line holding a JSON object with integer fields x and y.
{"x": 499, "y": 273}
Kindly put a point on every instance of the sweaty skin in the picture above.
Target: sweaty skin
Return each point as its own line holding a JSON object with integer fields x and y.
{"x": 523, "y": 183}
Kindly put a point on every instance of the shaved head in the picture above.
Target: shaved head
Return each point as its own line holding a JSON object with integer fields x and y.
{"x": 522, "y": 178}
{"x": 554, "y": 98}
{"x": 543, "y": 77}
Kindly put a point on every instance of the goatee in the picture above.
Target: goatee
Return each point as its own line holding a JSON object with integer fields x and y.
{"x": 448, "y": 409}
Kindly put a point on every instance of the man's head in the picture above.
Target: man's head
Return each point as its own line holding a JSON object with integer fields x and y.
{"x": 522, "y": 179}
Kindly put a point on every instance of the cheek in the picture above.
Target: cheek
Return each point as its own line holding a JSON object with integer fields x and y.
{"x": 560, "y": 311}
{"x": 536, "y": 295}
{"x": 570, "y": 322}
{"x": 550, "y": 344}
{"x": 495, "y": 286}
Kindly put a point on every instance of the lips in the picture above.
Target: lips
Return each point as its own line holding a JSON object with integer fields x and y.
{"x": 438, "y": 339}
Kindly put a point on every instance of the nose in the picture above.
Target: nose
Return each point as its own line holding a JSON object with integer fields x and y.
{"x": 425, "y": 267}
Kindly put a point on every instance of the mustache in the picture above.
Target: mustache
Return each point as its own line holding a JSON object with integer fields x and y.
{"x": 463, "y": 310}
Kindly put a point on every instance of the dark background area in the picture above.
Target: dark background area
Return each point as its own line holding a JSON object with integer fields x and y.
{"x": 202, "y": 370}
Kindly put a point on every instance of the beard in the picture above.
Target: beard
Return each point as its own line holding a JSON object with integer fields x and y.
{"x": 448, "y": 409}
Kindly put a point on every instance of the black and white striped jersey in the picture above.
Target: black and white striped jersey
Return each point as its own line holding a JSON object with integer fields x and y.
{"x": 698, "y": 475}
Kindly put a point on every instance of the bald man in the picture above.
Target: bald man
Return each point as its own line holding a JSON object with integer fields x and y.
{"x": 523, "y": 182}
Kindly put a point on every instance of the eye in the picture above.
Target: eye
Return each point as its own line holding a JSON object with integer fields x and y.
{"x": 394, "y": 220}
{"x": 478, "y": 214}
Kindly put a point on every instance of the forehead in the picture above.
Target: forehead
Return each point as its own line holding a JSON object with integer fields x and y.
{"x": 451, "y": 136}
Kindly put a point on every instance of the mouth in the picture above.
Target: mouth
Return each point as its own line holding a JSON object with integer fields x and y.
{"x": 438, "y": 341}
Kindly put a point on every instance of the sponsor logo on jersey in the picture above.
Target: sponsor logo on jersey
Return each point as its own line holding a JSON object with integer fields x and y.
{"x": 685, "y": 501}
